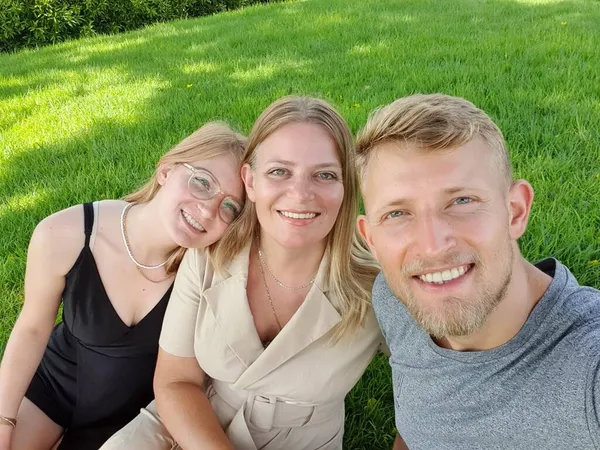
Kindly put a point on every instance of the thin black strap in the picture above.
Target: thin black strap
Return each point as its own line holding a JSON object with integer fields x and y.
{"x": 88, "y": 221}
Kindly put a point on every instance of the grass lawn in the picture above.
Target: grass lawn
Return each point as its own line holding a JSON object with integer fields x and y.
{"x": 87, "y": 119}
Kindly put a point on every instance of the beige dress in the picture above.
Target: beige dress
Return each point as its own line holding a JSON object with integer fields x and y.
{"x": 287, "y": 396}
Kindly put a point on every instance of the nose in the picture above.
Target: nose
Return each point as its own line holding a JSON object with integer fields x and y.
{"x": 434, "y": 235}
{"x": 301, "y": 190}
{"x": 208, "y": 208}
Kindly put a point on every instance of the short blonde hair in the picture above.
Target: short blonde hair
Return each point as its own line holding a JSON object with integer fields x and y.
{"x": 352, "y": 269}
{"x": 209, "y": 141}
{"x": 431, "y": 122}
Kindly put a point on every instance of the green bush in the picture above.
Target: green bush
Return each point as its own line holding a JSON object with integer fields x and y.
{"x": 32, "y": 23}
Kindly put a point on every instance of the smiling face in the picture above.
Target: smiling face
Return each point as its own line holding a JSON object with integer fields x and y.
{"x": 441, "y": 223}
{"x": 296, "y": 185}
{"x": 193, "y": 222}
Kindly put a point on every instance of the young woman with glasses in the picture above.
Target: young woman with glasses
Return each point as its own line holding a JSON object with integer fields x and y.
{"x": 111, "y": 264}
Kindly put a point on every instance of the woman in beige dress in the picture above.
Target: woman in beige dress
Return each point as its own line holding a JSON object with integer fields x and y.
{"x": 264, "y": 336}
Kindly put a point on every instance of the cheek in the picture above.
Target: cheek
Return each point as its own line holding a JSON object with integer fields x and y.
{"x": 389, "y": 243}
{"x": 220, "y": 231}
{"x": 333, "y": 198}
{"x": 484, "y": 232}
{"x": 177, "y": 192}
{"x": 266, "y": 191}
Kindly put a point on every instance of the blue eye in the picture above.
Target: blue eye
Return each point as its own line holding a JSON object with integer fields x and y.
{"x": 463, "y": 200}
{"x": 201, "y": 183}
{"x": 230, "y": 209}
{"x": 395, "y": 214}
{"x": 327, "y": 176}
{"x": 277, "y": 172}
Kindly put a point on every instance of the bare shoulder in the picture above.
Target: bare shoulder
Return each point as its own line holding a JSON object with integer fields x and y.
{"x": 58, "y": 239}
{"x": 112, "y": 205}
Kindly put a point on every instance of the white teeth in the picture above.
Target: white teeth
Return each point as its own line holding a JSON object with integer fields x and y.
{"x": 292, "y": 215}
{"x": 193, "y": 222}
{"x": 445, "y": 276}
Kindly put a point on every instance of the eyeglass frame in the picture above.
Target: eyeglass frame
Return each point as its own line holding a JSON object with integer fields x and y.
{"x": 193, "y": 173}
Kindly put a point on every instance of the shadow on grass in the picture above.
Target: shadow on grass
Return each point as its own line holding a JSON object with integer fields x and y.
{"x": 358, "y": 55}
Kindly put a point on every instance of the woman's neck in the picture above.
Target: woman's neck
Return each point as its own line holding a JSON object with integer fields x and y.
{"x": 148, "y": 240}
{"x": 291, "y": 266}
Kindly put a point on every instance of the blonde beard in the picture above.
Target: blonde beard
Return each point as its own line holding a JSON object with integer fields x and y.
{"x": 455, "y": 316}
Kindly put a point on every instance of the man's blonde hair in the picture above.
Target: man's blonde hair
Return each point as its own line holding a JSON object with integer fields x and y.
{"x": 431, "y": 122}
{"x": 352, "y": 269}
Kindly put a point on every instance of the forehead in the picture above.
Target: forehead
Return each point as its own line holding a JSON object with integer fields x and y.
{"x": 397, "y": 170}
{"x": 299, "y": 143}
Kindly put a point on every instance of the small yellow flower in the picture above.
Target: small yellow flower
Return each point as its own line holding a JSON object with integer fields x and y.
{"x": 564, "y": 24}
{"x": 189, "y": 86}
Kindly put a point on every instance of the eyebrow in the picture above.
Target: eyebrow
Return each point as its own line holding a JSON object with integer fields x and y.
{"x": 204, "y": 169}
{"x": 392, "y": 204}
{"x": 291, "y": 163}
{"x": 454, "y": 190}
{"x": 403, "y": 201}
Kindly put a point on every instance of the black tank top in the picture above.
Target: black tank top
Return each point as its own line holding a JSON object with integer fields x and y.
{"x": 101, "y": 366}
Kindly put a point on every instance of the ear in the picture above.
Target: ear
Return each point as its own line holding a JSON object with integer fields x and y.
{"x": 163, "y": 172}
{"x": 364, "y": 229}
{"x": 248, "y": 179}
{"x": 520, "y": 199}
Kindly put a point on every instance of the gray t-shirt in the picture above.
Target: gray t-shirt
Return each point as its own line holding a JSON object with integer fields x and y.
{"x": 540, "y": 390}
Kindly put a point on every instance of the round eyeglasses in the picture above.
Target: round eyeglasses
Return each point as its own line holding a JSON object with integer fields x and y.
{"x": 204, "y": 186}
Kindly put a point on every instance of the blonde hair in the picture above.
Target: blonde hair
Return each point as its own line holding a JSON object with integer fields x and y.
{"x": 351, "y": 268}
{"x": 431, "y": 122}
{"x": 209, "y": 141}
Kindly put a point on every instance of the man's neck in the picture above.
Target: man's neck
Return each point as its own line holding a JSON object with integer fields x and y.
{"x": 527, "y": 286}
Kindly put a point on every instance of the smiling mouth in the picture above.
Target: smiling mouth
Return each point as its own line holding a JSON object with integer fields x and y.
{"x": 445, "y": 276}
{"x": 192, "y": 222}
{"x": 294, "y": 215}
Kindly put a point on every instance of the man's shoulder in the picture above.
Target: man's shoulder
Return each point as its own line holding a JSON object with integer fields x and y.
{"x": 576, "y": 315}
{"x": 579, "y": 301}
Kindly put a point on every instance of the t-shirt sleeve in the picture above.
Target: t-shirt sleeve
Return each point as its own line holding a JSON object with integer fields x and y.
{"x": 179, "y": 325}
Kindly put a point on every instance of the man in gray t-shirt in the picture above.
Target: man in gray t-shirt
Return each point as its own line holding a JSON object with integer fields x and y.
{"x": 487, "y": 350}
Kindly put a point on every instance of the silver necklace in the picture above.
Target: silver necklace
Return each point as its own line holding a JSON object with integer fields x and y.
{"x": 289, "y": 288}
{"x": 268, "y": 293}
{"x": 127, "y": 245}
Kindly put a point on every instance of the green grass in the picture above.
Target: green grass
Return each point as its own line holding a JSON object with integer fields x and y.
{"x": 87, "y": 119}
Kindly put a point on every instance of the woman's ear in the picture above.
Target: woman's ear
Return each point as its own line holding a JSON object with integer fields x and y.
{"x": 163, "y": 172}
{"x": 248, "y": 179}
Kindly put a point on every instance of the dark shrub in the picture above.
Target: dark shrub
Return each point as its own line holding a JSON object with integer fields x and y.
{"x": 31, "y": 23}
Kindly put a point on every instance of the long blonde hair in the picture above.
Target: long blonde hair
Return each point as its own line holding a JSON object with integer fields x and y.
{"x": 209, "y": 141}
{"x": 351, "y": 268}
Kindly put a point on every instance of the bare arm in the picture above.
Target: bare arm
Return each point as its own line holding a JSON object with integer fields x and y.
{"x": 399, "y": 443}
{"x": 53, "y": 248}
{"x": 183, "y": 405}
